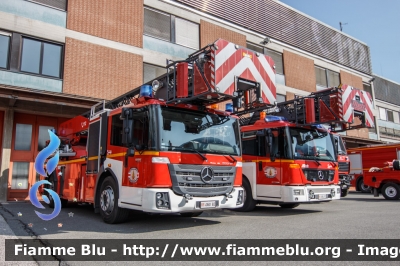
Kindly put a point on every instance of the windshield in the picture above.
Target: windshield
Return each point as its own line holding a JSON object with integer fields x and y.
{"x": 312, "y": 144}
{"x": 194, "y": 131}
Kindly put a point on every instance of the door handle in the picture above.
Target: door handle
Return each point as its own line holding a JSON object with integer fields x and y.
{"x": 260, "y": 168}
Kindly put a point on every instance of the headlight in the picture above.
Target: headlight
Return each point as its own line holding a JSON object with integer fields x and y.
{"x": 162, "y": 200}
{"x": 333, "y": 193}
{"x": 311, "y": 194}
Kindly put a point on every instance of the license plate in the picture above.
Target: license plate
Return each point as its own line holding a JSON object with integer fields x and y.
{"x": 207, "y": 204}
{"x": 322, "y": 196}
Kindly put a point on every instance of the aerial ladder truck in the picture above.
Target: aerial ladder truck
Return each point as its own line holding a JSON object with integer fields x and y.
{"x": 159, "y": 148}
{"x": 288, "y": 156}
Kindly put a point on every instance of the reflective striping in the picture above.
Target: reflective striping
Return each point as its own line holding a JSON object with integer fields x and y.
{"x": 152, "y": 153}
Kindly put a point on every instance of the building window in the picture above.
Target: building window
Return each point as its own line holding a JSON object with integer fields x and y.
{"x": 367, "y": 88}
{"x": 4, "y": 48}
{"x": 390, "y": 116}
{"x": 151, "y": 72}
{"x": 326, "y": 78}
{"x": 23, "y": 137}
{"x": 20, "y": 174}
{"x": 280, "y": 98}
{"x": 170, "y": 28}
{"x": 41, "y": 58}
{"x": 382, "y": 113}
{"x": 278, "y": 60}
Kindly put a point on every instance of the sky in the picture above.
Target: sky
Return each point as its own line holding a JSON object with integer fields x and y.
{"x": 374, "y": 22}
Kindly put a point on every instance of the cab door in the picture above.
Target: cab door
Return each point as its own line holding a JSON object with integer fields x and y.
{"x": 269, "y": 172}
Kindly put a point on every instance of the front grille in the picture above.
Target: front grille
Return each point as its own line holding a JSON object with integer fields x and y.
{"x": 204, "y": 185}
{"x": 186, "y": 179}
{"x": 344, "y": 167}
{"x": 319, "y": 175}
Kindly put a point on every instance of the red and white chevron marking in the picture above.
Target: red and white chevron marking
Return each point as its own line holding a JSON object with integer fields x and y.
{"x": 350, "y": 104}
{"x": 230, "y": 62}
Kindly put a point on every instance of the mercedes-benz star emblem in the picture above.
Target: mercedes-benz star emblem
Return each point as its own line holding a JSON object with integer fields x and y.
{"x": 206, "y": 174}
{"x": 320, "y": 175}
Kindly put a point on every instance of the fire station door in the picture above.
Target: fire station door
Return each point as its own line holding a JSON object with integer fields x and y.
{"x": 97, "y": 144}
{"x": 269, "y": 169}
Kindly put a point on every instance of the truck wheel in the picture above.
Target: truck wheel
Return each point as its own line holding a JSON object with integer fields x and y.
{"x": 361, "y": 187}
{"x": 391, "y": 191}
{"x": 289, "y": 206}
{"x": 343, "y": 192}
{"x": 248, "y": 202}
{"x": 109, "y": 209}
{"x": 190, "y": 214}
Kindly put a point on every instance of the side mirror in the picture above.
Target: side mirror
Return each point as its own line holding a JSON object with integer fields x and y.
{"x": 127, "y": 126}
{"x": 130, "y": 152}
{"x": 336, "y": 145}
{"x": 268, "y": 140}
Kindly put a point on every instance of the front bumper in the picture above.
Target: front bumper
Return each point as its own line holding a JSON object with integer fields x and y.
{"x": 180, "y": 204}
{"x": 310, "y": 193}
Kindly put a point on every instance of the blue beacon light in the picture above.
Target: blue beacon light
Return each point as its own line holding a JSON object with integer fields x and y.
{"x": 229, "y": 107}
{"x": 146, "y": 91}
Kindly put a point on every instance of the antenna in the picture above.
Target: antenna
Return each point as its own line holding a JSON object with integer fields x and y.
{"x": 341, "y": 25}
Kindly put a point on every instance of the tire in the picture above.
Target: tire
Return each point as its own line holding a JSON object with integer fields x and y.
{"x": 190, "y": 214}
{"x": 64, "y": 202}
{"x": 343, "y": 192}
{"x": 109, "y": 209}
{"x": 289, "y": 205}
{"x": 249, "y": 203}
{"x": 361, "y": 187}
{"x": 391, "y": 191}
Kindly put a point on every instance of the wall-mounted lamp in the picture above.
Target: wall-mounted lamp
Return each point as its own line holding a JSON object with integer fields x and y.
{"x": 371, "y": 80}
{"x": 266, "y": 41}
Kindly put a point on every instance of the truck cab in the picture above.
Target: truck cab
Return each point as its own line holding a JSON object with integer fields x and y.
{"x": 286, "y": 165}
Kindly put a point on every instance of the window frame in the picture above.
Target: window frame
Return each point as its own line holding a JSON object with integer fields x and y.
{"x": 388, "y": 116}
{"x": 42, "y": 42}
{"x": 326, "y": 76}
{"x": 173, "y": 32}
{"x": 9, "y": 35}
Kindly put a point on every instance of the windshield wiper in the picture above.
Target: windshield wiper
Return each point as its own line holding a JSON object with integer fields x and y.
{"x": 317, "y": 162}
{"x": 233, "y": 158}
{"x": 188, "y": 149}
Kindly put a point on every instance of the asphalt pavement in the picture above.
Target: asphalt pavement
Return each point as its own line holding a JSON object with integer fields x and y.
{"x": 357, "y": 216}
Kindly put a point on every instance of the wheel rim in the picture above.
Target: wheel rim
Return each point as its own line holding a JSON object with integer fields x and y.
{"x": 391, "y": 191}
{"x": 364, "y": 187}
{"x": 107, "y": 200}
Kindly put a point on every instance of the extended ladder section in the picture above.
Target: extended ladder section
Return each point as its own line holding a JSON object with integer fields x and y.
{"x": 219, "y": 72}
{"x": 336, "y": 107}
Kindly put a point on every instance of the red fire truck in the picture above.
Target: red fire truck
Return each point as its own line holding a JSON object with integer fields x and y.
{"x": 157, "y": 149}
{"x": 364, "y": 158}
{"x": 289, "y": 158}
{"x": 384, "y": 180}
{"x": 344, "y": 165}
